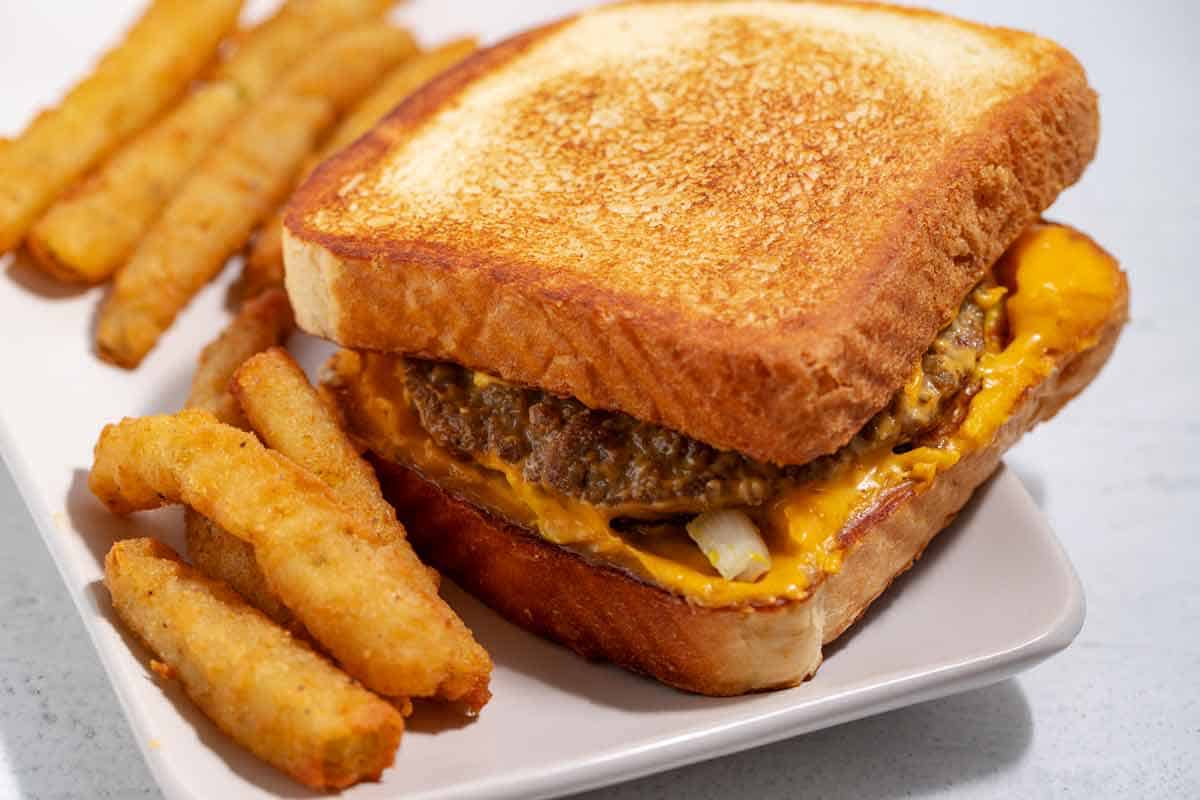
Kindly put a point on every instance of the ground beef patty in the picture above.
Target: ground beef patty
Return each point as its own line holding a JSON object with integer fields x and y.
{"x": 604, "y": 457}
{"x": 947, "y": 369}
{"x": 611, "y": 459}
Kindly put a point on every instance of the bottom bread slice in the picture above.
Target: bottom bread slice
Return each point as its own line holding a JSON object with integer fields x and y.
{"x": 604, "y": 613}
{"x": 600, "y": 612}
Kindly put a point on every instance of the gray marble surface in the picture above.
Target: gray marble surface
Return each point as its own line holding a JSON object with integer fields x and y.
{"x": 1118, "y": 474}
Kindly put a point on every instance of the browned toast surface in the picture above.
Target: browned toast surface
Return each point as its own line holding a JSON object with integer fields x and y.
{"x": 713, "y": 216}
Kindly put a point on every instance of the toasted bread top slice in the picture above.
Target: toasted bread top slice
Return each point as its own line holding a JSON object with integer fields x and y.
{"x": 742, "y": 220}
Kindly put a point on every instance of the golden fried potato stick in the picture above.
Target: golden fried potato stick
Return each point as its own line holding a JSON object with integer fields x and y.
{"x": 294, "y": 32}
{"x": 261, "y": 323}
{"x": 370, "y": 608}
{"x": 224, "y": 557}
{"x": 288, "y": 414}
{"x": 264, "y": 265}
{"x": 236, "y": 186}
{"x": 86, "y": 235}
{"x": 91, "y": 231}
{"x": 206, "y": 221}
{"x": 164, "y": 50}
{"x": 266, "y": 690}
{"x": 398, "y": 85}
{"x": 285, "y": 411}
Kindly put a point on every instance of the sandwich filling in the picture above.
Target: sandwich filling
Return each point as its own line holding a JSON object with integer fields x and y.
{"x": 642, "y": 498}
{"x": 639, "y": 470}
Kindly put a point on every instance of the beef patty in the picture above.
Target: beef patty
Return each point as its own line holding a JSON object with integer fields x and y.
{"x": 635, "y": 468}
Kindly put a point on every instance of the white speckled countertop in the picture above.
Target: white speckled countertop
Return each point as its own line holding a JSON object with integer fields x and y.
{"x": 1118, "y": 474}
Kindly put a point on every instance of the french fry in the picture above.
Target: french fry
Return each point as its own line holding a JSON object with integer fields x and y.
{"x": 264, "y": 264}
{"x": 87, "y": 234}
{"x": 235, "y": 187}
{"x": 223, "y": 556}
{"x": 350, "y": 65}
{"x": 366, "y": 605}
{"x": 212, "y": 214}
{"x": 261, "y": 323}
{"x": 163, "y": 51}
{"x": 293, "y": 32}
{"x": 287, "y": 413}
{"x": 265, "y": 689}
{"x": 398, "y": 85}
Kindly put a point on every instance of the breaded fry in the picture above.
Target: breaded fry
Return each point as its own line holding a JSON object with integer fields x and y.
{"x": 163, "y": 51}
{"x": 220, "y": 554}
{"x": 293, "y": 32}
{"x": 285, "y": 410}
{"x": 235, "y": 187}
{"x": 225, "y": 557}
{"x": 86, "y": 235}
{"x": 263, "y": 268}
{"x": 365, "y": 603}
{"x": 398, "y": 85}
{"x": 350, "y": 64}
{"x": 264, "y": 264}
{"x": 267, "y": 690}
{"x": 263, "y": 322}
{"x": 209, "y": 218}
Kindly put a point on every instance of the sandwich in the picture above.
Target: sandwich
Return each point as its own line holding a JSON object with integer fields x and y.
{"x": 677, "y": 330}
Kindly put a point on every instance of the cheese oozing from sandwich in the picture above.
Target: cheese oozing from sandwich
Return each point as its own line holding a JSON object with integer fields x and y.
{"x": 1058, "y": 289}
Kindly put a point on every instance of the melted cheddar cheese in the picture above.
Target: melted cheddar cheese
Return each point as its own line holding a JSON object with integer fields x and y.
{"x": 1063, "y": 288}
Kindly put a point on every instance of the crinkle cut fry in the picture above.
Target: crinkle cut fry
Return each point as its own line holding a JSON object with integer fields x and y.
{"x": 288, "y": 414}
{"x": 270, "y": 692}
{"x": 353, "y": 593}
{"x": 132, "y": 83}
{"x": 88, "y": 233}
{"x": 236, "y": 186}
{"x": 263, "y": 322}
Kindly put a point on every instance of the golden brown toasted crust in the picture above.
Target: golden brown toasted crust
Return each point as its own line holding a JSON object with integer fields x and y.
{"x": 603, "y": 613}
{"x": 757, "y": 296}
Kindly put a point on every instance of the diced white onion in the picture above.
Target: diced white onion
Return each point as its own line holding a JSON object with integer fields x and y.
{"x": 731, "y": 543}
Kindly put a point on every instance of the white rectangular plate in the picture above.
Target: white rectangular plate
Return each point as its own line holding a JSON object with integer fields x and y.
{"x": 994, "y": 595}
